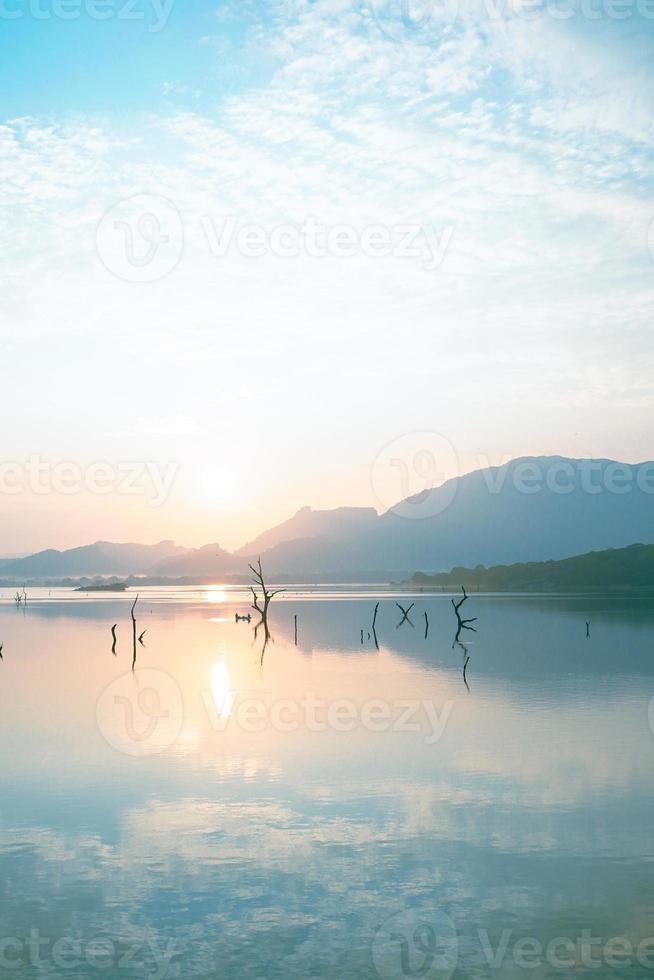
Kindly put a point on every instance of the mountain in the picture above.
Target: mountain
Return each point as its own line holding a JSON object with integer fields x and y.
{"x": 337, "y": 525}
{"x": 622, "y": 569}
{"x": 101, "y": 558}
{"x": 530, "y": 509}
{"x": 208, "y": 561}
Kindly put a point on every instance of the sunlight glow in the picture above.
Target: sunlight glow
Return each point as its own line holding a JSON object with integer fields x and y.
{"x": 217, "y": 484}
{"x": 221, "y": 690}
{"x": 214, "y": 594}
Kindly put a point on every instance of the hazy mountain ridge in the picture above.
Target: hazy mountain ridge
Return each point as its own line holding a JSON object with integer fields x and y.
{"x": 210, "y": 559}
{"x": 531, "y": 509}
{"x": 328, "y": 525}
{"x": 100, "y": 558}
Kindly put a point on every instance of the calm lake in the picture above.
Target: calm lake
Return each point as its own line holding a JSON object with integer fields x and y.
{"x": 337, "y": 809}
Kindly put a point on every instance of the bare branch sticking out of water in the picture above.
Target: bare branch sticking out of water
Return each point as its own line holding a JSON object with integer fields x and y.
{"x": 113, "y": 634}
{"x": 267, "y": 596}
{"x": 374, "y": 623}
{"x": 462, "y": 624}
{"x": 426, "y": 625}
{"x": 405, "y": 614}
{"x": 134, "y": 633}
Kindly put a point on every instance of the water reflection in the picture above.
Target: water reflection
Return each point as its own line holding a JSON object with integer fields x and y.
{"x": 221, "y": 689}
{"x": 214, "y": 595}
{"x": 271, "y": 849}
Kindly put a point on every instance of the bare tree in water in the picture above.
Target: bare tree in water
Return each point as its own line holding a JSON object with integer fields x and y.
{"x": 261, "y": 602}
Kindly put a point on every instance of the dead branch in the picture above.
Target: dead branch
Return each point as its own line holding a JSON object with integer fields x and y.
{"x": 267, "y": 595}
{"x": 462, "y": 624}
{"x": 134, "y": 633}
{"x": 405, "y": 614}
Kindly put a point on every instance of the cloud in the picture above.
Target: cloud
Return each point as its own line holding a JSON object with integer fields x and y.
{"x": 529, "y": 138}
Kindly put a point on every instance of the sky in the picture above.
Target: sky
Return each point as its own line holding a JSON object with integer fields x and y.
{"x": 262, "y": 255}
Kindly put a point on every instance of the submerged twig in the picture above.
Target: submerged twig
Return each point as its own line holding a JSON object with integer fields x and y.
{"x": 374, "y": 630}
{"x": 465, "y": 667}
{"x": 462, "y": 624}
{"x": 466, "y": 661}
{"x": 405, "y": 614}
{"x": 134, "y": 632}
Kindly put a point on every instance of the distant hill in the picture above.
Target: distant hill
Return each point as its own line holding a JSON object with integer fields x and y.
{"x": 614, "y": 570}
{"x": 530, "y": 509}
{"x": 101, "y": 558}
{"x": 208, "y": 561}
{"x": 335, "y": 526}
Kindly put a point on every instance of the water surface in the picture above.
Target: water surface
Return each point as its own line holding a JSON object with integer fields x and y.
{"x": 336, "y": 809}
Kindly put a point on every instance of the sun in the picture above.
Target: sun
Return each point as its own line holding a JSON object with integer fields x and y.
{"x": 217, "y": 484}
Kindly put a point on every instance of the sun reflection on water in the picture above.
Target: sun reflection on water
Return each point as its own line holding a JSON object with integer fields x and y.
{"x": 221, "y": 689}
{"x": 215, "y": 594}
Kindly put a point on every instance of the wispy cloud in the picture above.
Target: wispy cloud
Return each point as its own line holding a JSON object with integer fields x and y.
{"x": 529, "y": 138}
